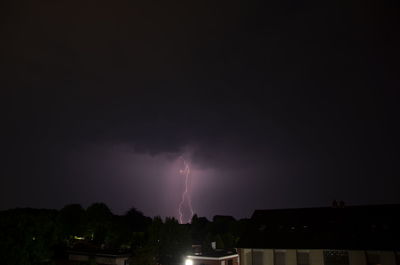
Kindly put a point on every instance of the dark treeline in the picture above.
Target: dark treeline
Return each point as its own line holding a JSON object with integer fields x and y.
{"x": 41, "y": 236}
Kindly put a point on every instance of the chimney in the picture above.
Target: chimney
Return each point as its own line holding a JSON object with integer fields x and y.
{"x": 214, "y": 245}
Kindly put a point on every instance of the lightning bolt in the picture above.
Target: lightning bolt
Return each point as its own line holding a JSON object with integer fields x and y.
{"x": 186, "y": 172}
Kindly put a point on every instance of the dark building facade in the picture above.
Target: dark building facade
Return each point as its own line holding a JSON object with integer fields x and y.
{"x": 338, "y": 235}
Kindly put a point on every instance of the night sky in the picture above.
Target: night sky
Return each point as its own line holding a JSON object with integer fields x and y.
{"x": 276, "y": 104}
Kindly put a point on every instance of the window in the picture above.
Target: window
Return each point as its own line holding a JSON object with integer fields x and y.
{"x": 280, "y": 257}
{"x": 303, "y": 257}
{"x": 373, "y": 258}
{"x": 248, "y": 258}
{"x": 257, "y": 257}
{"x": 336, "y": 257}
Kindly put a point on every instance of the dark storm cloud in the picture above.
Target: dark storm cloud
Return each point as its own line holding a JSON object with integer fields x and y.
{"x": 268, "y": 97}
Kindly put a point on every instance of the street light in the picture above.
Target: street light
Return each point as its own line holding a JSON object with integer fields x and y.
{"x": 188, "y": 262}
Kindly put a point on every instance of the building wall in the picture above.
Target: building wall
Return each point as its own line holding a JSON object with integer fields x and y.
{"x": 105, "y": 260}
{"x": 249, "y": 256}
{"x": 199, "y": 261}
{"x": 206, "y": 262}
{"x": 258, "y": 257}
{"x": 235, "y": 261}
{"x": 316, "y": 257}
{"x": 244, "y": 256}
{"x": 388, "y": 258}
{"x": 291, "y": 257}
{"x": 121, "y": 261}
{"x": 76, "y": 257}
{"x": 269, "y": 256}
{"x": 266, "y": 257}
{"x": 357, "y": 257}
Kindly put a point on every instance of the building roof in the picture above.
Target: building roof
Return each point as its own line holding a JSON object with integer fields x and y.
{"x": 215, "y": 253}
{"x": 355, "y": 227}
{"x": 223, "y": 218}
